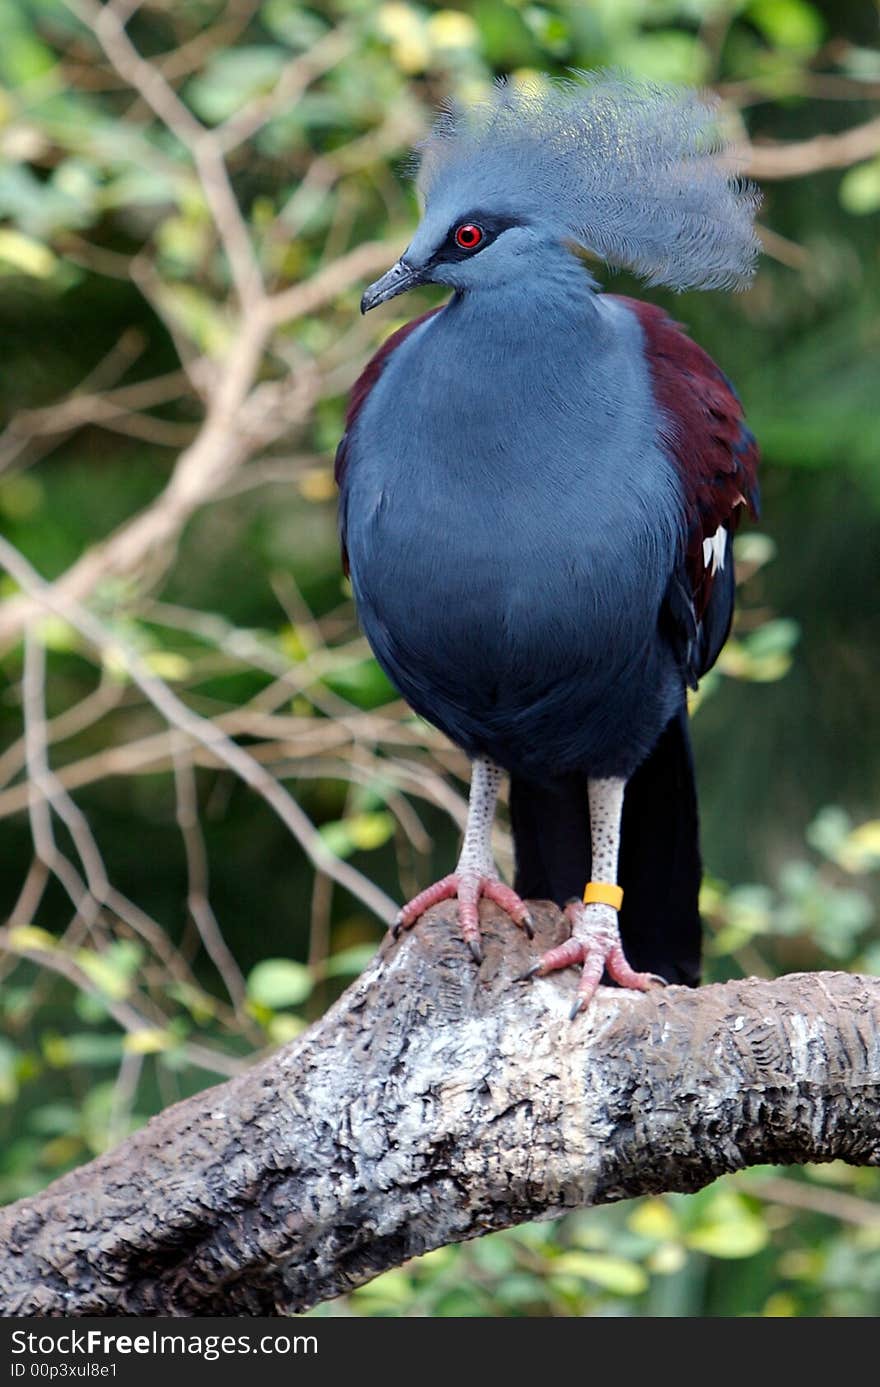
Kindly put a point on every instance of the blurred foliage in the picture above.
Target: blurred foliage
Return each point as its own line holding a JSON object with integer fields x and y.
{"x": 112, "y": 277}
{"x": 724, "y": 1251}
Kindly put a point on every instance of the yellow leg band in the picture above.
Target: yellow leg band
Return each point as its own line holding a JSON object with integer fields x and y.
{"x": 603, "y": 893}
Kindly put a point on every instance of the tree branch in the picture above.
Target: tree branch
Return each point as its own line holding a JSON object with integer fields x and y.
{"x": 797, "y": 158}
{"x": 235, "y": 426}
{"x": 200, "y": 730}
{"x": 436, "y": 1102}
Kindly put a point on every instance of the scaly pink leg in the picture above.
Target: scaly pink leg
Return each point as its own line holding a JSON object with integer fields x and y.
{"x": 475, "y": 875}
{"x": 594, "y": 943}
{"x": 595, "y": 935}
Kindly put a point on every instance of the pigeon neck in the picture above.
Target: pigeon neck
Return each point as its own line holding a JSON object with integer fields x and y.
{"x": 559, "y": 293}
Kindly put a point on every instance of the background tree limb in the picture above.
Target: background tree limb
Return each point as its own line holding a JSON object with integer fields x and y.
{"x": 435, "y": 1102}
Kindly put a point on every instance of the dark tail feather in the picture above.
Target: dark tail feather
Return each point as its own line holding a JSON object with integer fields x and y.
{"x": 660, "y": 867}
{"x": 551, "y": 838}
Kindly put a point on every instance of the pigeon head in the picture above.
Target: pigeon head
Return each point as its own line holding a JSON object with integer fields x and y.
{"x": 635, "y": 174}
{"x": 472, "y": 249}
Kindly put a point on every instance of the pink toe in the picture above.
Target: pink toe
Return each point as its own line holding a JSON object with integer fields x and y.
{"x": 468, "y": 886}
{"x": 442, "y": 890}
{"x": 626, "y": 976}
{"x": 469, "y": 908}
{"x": 594, "y": 967}
{"x": 507, "y": 899}
{"x": 563, "y": 956}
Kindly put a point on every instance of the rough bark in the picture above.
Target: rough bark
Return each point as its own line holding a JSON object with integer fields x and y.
{"x": 436, "y": 1101}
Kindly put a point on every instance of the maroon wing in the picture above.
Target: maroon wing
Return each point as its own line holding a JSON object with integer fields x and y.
{"x": 359, "y": 392}
{"x": 704, "y": 433}
{"x": 716, "y": 457}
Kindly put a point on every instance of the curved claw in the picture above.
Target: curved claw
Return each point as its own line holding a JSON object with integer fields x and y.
{"x": 529, "y": 973}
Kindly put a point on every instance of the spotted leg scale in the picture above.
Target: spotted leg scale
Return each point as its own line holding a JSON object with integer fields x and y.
{"x": 475, "y": 874}
{"x": 595, "y": 935}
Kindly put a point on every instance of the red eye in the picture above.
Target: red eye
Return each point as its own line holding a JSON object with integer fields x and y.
{"x": 469, "y": 236}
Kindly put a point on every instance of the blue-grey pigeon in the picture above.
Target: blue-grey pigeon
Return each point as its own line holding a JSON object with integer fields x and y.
{"x": 538, "y": 486}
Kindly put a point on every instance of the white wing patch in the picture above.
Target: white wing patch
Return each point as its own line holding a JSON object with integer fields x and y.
{"x": 714, "y": 550}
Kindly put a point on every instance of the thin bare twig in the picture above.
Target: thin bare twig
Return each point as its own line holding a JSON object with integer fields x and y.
{"x": 300, "y": 737}
{"x": 124, "y": 1095}
{"x": 197, "y": 898}
{"x": 39, "y": 787}
{"x": 234, "y": 426}
{"x": 178, "y": 715}
{"x": 797, "y": 1194}
{"x": 108, "y": 25}
{"x": 46, "y": 794}
{"x": 802, "y": 157}
{"x": 294, "y": 78}
{"x": 126, "y": 1016}
{"x": 74, "y": 719}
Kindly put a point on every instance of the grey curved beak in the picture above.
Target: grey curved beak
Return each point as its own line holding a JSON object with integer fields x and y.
{"x": 395, "y": 281}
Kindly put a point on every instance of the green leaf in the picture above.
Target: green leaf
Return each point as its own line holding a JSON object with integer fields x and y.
{"x": 394, "y": 1287}
{"x": 296, "y": 642}
{"x": 791, "y": 24}
{"x": 95, "y": 1117}
{"x": 24, "y": 254}
{"x": 86, "y": 1047}
{"x": 21, "y": 497}
{"x": 150, "y": 1041}
{"x": 279, "y": 982}
{"x": 112, "y": 971}
{"x": 54, "y": 1120}
{"x": 200, "y": 1005}
{"x": 358, "y": 832}
{"x": 765, "y": 654}
{"x": 362, "y": 683}
{"x": 349, "y": 962}
{"x": 859, "y": 190}
{"x": 754, "y": 549}
{"x": 204, "y": 321}
{"x": 284, "y": 1027}
{"x": 860, "y": 851}
{"x": 293, "y": 25}
{"x": 39, "y": 210}
{"x": 54, "y": 633}
{"x": 615, "y": 1274}
{"x": 775, "y": 637}
{"x": 729, "y": 1228}
{"x": 183, "y": 244}
{"x": 450, "y": 30}
{"x": 9, "y": 1054}
{"x": 170, "y": 665}
{"x": 232, "y": 77}
{"x": 136, "y": 186}
{"x": 22, "y": 57}
{"x": 749, "y": 909}
{"x": 829, "y": 830}
{"x": 32, "y": 939}
{"x": 666, "y": 55}
{"x": 103, "y": 974}
{"x": 551, "y": 30}
{"x": 654, "y": 1219}
{"x": 495, "y": 1256}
